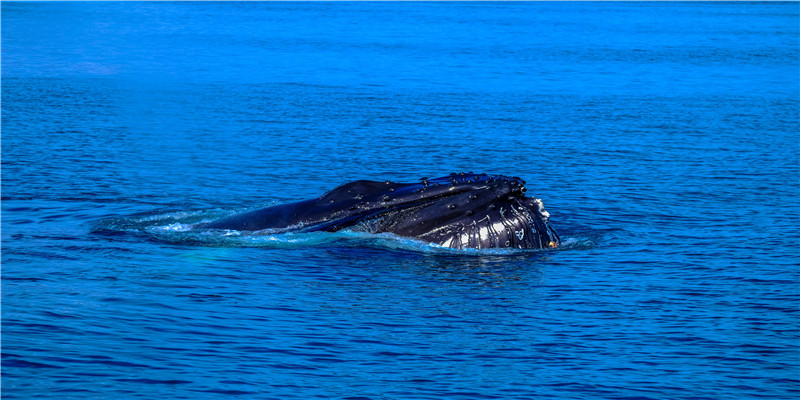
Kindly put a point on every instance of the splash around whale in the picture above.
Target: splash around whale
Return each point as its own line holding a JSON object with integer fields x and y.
{"x": 459, "y": 211}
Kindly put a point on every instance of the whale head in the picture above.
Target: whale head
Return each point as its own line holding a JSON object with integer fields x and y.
{"x": 456, "y": 211}
{"x": 459, "y": 211}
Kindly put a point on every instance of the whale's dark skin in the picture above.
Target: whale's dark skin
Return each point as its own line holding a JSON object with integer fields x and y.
{"x": 457, "y": 211}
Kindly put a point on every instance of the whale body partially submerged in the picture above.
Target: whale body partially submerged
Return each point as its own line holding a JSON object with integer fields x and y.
{"x": 459, "y": 211}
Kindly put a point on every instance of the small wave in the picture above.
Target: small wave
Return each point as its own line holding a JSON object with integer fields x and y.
{"x": 577, "y": 243}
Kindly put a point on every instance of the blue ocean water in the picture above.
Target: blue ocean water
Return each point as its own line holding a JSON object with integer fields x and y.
{"x": 662, "y": 137}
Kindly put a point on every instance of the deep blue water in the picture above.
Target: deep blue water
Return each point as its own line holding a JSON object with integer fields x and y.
{"x": 663, "y": 139}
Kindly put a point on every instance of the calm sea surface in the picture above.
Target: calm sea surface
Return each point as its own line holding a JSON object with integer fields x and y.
{"x": 663, "y": 139}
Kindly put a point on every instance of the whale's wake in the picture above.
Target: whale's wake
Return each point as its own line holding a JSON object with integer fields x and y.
{"x": 186, "y": 228}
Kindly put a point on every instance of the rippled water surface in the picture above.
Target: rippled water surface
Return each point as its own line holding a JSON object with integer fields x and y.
{"x": 663, "y": 139}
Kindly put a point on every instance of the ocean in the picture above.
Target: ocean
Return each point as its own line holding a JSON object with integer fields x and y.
{"x": 662, "y": 138}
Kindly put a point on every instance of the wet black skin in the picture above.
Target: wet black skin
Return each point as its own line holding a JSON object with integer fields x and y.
{"x": 458, "y": 211}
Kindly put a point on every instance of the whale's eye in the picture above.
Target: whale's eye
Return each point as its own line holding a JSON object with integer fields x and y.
{"x": 452, "y": 206}
{"x": 470, "y": 212}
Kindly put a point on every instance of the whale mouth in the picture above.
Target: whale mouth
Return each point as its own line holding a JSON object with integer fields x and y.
{"x": 466, "y": 211}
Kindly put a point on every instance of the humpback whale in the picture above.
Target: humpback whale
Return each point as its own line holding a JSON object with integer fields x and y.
{"x": 460, "y": 211}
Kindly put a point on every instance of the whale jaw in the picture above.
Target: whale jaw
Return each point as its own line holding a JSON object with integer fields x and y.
{"x": 492, "y": 214}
